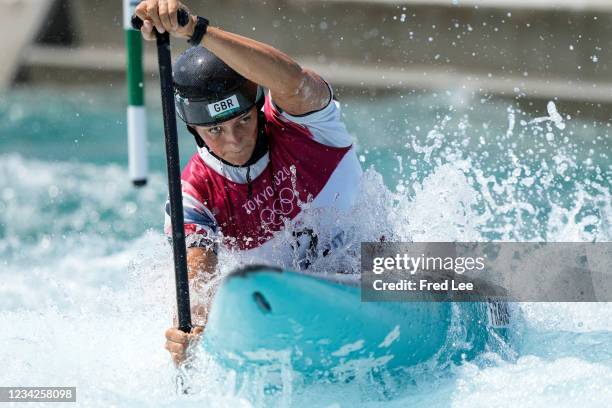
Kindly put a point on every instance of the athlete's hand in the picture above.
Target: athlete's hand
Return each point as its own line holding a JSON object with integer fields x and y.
{"x": 178, "y": 342}
{"x": 161, "y": 14}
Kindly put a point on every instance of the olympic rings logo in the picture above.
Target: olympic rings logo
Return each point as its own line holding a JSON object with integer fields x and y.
{"x": 281, "y": 207}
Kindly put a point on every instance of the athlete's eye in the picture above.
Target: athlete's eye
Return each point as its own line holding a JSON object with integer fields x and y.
{"x": 215, "y": 130}
{"x": 245, "y": 119}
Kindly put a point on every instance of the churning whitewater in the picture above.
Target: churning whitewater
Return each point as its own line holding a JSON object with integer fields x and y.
{"x": 86, "y": 281}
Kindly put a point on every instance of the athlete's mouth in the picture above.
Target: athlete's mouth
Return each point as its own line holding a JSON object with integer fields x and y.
{"x": 236, "y": 151}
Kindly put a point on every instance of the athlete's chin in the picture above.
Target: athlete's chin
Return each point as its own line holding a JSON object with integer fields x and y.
{"x": 236, "y": 158}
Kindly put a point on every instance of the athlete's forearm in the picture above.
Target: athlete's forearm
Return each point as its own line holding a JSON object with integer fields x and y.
{"x": 202, "y": 270}
{"x": 258, "y": 62}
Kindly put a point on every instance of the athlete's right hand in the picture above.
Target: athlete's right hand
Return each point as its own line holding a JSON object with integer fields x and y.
{"x": 161, "y": 14}
{"x": 178, "y": 342}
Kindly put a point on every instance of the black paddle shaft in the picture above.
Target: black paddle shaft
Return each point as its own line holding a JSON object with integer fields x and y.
{"x": 174, "y": 182}
{"x": 174, "y": 172}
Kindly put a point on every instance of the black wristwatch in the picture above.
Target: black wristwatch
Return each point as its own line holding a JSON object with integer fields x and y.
{"x": 199, "y": 31}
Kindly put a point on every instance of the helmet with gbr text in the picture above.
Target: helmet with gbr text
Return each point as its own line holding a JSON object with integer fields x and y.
{"x": 207, "y": 91}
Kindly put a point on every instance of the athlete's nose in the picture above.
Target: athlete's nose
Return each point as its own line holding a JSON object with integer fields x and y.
{"x": 233, "y": 135}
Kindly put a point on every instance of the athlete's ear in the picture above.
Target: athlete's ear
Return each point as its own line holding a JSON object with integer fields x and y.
{"x": 196, "y": 136}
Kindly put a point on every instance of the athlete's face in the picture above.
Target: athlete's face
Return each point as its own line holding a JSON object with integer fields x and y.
{"x": 233, "y": 140}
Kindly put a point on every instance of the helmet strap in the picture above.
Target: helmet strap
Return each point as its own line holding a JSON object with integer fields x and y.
{"x": 199, "y": 141}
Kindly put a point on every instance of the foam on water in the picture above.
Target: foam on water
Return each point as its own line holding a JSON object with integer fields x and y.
{"x": 86, "y": 289}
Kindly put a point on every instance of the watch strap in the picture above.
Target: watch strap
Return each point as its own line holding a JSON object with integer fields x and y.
{"x": 199, "y": 31}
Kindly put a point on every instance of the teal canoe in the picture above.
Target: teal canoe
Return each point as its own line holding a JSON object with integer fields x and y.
{"x": 317, "y": 324}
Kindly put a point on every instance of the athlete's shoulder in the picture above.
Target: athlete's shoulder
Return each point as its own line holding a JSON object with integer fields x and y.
{"x": 195, "y": 167}
{"x": 200, "y": 223}
{"x": 276, "y": 118}
{"x": 324, "y": 126}
{"x": 195, "y": 179}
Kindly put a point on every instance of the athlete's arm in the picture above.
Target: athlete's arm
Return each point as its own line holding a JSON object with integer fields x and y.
{"x": 201, "y": 264}
{"x": 295, "y": 90}
{"x": 202, "y": 270}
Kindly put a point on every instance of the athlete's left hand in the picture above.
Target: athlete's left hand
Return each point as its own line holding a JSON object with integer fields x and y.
{"x": 161, "y": 15}
{"x": 178, "y": 342}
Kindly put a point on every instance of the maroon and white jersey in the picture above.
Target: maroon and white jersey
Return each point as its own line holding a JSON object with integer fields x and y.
{"x": 310, "y": 163}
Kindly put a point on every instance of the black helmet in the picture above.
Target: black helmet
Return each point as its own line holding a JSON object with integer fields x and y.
{"x": 207, "y": 91}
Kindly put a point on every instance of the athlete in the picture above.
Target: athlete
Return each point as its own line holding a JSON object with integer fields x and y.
{"x": 264, "y": 157}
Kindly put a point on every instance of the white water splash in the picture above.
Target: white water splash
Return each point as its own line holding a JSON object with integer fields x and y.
{"x": 85, "y": 298}
{"x": 553, "y": 116}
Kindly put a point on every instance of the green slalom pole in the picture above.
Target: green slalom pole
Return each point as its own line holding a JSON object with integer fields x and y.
{"x": 136, "y": 112}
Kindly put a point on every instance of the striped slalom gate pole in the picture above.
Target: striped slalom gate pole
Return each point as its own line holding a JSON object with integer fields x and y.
{"x": 136, "y": 112}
